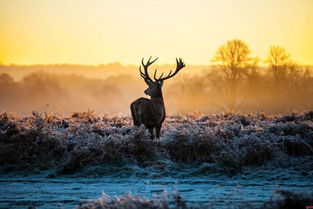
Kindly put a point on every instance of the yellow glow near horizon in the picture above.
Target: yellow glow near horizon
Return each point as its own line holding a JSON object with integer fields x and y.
{"x": 102, "y": 31}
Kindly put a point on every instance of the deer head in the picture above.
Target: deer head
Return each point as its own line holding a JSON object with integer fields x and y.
{"x": 154, "y": 86}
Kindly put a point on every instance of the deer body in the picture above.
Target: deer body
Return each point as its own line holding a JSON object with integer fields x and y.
{"x": 151, "y": 112}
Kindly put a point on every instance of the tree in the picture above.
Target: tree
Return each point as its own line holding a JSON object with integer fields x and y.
{"x": 280, "y": 64}
{"x": 286, "y": 79}
{"x": 234, "y": 59}
{"x": 278, "y": 57}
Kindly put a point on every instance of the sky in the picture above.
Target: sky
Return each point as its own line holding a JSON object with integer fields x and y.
{"x": 105, "y": 31}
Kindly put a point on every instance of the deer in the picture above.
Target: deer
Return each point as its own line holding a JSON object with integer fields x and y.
{"x": 151, "y": 112}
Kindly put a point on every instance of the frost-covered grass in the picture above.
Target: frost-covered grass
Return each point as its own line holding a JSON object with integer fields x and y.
{"x": 283, "y": 199}
{"x": 228, "y": 142}
{"x": 135, "y": 202}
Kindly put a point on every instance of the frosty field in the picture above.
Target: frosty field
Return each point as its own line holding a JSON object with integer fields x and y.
{"x": 201, "y": 161}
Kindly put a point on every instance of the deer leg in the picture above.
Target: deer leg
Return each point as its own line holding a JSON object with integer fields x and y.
{"x": 158, "y": 130}
{"x": 136, "y": 122}
{"x": 151, "y": 132}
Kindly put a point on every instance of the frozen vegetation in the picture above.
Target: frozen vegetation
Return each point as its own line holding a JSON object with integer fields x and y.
{"x": 282, "y": 200}
{"x": 229, "y": 144}
{"x": 216, "y": 143}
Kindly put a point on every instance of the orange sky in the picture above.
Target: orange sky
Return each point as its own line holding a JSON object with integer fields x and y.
{"x": 102, "y": 31}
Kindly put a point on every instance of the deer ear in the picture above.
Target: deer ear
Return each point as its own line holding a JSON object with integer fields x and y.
{"x": 161, "y": 83}
{"x": 147, "y": 82}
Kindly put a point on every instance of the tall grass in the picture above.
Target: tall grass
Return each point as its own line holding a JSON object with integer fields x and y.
{"x": 230, "y": 142}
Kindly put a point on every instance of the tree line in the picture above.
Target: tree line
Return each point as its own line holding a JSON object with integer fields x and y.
{"x": 239, "y": 83}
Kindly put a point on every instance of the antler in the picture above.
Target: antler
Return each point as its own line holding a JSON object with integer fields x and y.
{"x": 145, "y": 75}
{"x": 179, "y": 65}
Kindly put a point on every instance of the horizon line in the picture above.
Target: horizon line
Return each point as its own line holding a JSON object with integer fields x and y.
{"x": 119, "y": 63}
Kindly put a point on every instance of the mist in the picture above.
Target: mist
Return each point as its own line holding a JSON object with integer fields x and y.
{"x": 111, "y": 88}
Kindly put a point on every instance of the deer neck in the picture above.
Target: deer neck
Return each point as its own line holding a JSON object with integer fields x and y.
{"x": 157, "y": 100}
{"x": 157, "y": 96}
{"x": 158, "y": 104}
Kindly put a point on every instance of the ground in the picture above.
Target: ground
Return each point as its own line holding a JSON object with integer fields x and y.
{"x": 250, "y": 149}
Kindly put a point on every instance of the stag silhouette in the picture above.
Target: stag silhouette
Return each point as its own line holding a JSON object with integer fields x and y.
{"x": 151, "y": 112}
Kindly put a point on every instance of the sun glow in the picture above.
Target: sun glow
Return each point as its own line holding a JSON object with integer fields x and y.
{"x": 93, "y": 32}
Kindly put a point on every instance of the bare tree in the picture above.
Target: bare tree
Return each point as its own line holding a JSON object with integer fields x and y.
{"x": 278, "y": 57}
{"x": 284, "y": 76}
{"x": 234, "y": 60}
{"x": 280, "y": 63}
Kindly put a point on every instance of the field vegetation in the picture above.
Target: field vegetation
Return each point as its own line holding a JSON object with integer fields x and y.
{"x": 225, "y": 142}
